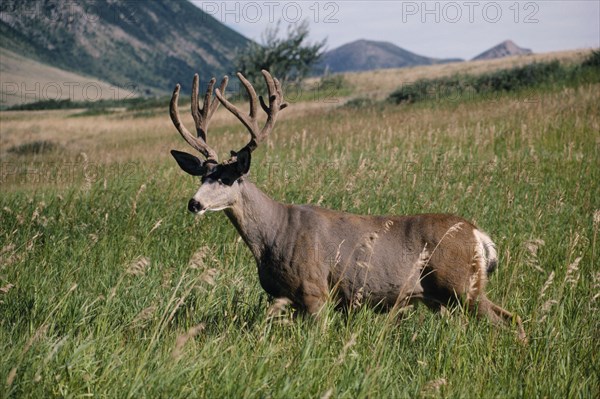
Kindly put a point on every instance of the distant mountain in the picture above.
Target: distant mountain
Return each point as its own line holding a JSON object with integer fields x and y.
{"x": 365, "y": 55}
{"x": 153, "y": 44}
{"x": 504, "y": 49}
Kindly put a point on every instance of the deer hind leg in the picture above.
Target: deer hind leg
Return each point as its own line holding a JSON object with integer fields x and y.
{"x": 483, "y": 307}
{"x": 477, "y": 301}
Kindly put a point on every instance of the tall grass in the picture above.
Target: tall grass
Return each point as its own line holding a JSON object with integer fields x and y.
{"x": 109, "y": 287}
{"x": 503, "y": 80}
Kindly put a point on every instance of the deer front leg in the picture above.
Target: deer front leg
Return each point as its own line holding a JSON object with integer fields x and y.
{"x": 314, "y": 296}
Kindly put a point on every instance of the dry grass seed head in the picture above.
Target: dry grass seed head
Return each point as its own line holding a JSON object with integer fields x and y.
{"x": 357, "y": 299}
{"x": 433, "y": 387}
{"x": 338, "y": 254}
{"x": 349, "y": 344}
{"x": 6, "y": 288}
{"x": 596, "y": 218}
{"x": 143, "y": 318}
{"x": 572, "y": 276}
{"x": 167, "y": 278}
{"x": 596, "y": 282}
{"x": 137, "y": 197}
{"x": 156, "y": 226}
{"x": 532, "y": 247}
{"x": 547, "y": 285}
{"x": 37, "y": 211}
{"x": 138, "y": 267}
{"x": 11, "y": 377}
{"x": 88, "y": 176}
{"x": 546, "y": 309}
{"x": 197, "y": 261}
{"x": 184, "y": 338}
{"x": 208, "y": 276}
{"x": 31, "y": 241}
{"x": 454, "y": 229}
{"x": 7, "y": 255}
{"x": 327, "y": 394}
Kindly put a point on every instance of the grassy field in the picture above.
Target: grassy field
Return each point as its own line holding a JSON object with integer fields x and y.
{"x": 109, "y": 287}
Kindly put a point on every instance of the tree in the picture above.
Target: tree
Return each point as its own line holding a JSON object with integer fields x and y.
{"x": 290, "y": 59}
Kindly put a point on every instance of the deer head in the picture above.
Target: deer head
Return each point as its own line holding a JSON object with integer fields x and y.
{"x": 220, "y": 182}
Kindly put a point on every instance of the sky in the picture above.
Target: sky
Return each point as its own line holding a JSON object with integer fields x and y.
{"x": 441, "y": 29}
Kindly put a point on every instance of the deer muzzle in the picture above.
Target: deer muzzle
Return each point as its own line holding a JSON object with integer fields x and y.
{"x": 195, "y": 206}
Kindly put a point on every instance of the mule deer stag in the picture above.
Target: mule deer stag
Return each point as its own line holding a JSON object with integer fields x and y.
{"x": 307, "y": 253}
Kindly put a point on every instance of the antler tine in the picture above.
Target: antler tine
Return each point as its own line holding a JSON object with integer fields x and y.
{"x": 215, "y": 104}
{"x": 250, "y": 120}
{"x": 251, "y": 94}
{"x": 275, "y": 104}
{"x": 195, "y": 107}
{"x": 198, "y": 143}
{"x": 203, "y": 115}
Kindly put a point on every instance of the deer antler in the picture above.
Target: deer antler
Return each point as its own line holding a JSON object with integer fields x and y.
{"x": 201, "y": 116}
{"x": 275, "y": 105}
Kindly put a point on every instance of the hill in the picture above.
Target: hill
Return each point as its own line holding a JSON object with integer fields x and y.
{"x": 24, "y": 80}
{"x": 147, "y": 43}
{"x": 365, "y": 55}
{"x": 505, "y": 49}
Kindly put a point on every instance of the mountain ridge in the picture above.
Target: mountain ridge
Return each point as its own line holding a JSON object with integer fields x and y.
{"x": 506, "y": 48}
{"x": 364, "y": 55}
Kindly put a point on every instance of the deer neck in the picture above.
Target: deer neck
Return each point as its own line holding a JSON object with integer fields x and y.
{"x": 258, "y": 219}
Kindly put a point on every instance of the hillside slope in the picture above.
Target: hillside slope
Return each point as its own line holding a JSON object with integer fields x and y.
{"x": 365, "y": 55}
{"x": 23, "y": 80}
{"x": 149, "y": 43}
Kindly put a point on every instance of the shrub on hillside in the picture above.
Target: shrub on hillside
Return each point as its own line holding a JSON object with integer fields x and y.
{"x": 593, "y": 60}
{"x": 35, "y": 147}
{"x": 505, "y": 80}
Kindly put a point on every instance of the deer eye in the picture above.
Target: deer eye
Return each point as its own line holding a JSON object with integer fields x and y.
{"x": 226, "y": 180}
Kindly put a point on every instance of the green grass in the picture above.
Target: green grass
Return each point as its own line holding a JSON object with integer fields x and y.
{"x": 99, "y": 296}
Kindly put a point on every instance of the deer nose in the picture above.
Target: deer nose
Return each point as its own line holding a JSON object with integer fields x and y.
{"x": 194, "y": 206}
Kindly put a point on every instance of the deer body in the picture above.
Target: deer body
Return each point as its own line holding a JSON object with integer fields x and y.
{"x": 306, "y": 253}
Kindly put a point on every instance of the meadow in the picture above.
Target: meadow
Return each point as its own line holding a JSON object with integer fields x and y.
{"x": 109, "y": 287}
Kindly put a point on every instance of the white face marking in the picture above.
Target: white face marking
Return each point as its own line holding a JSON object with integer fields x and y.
{"x": 215, "y": 196}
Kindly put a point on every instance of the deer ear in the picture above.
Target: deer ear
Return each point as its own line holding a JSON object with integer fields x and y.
{"x": 189, "y": 163}
{"x": 243, "y": 161}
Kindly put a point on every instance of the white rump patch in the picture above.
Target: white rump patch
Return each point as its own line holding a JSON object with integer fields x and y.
{"x": 484, "y": 261}
{"x": 486, "y": 248}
